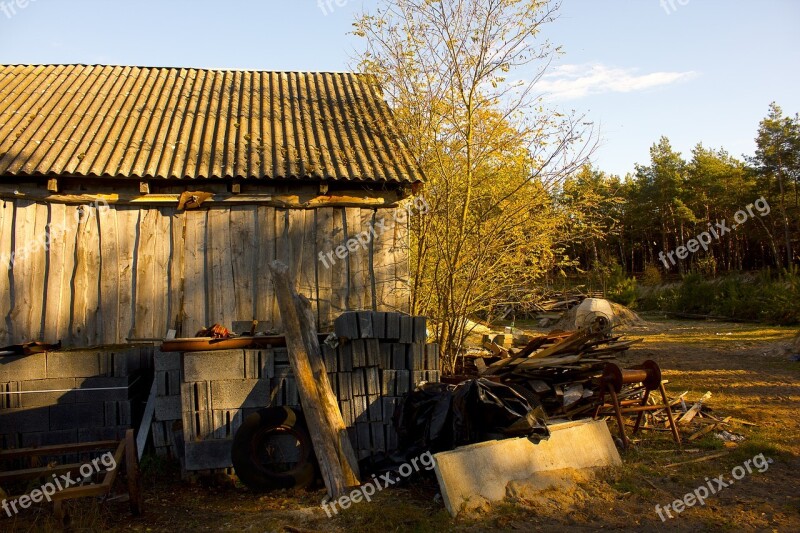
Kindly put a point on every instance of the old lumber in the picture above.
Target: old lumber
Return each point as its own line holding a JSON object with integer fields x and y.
{"x": 328, "y": 432}
{"x": 692, "y": 412}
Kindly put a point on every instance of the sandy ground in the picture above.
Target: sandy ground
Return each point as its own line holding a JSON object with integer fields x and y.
{"x": 742, "y": 365}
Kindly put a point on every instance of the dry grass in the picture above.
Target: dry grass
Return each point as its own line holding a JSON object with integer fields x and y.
{"x": 742, "y": 365}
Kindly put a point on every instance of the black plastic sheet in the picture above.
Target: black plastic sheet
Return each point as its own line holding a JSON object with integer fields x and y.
{"x": 439, "y": 417}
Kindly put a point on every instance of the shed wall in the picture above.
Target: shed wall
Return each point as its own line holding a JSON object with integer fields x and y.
{"x": 93, "y": 276}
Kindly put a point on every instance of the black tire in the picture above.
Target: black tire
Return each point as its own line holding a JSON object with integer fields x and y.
{"x": 272, "y": 450}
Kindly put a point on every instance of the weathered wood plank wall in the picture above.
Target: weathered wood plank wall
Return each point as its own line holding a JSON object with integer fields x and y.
{"x": 92, "y": 277}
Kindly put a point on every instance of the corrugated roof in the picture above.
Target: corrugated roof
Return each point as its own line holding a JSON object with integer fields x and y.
{"x": 131, "y": 122}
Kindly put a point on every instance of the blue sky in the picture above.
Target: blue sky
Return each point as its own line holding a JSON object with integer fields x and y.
{"x": 693, "y": 70}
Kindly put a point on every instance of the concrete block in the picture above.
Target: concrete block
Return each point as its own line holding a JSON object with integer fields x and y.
{"x": 358, "y": 387}
{"x": 385, "y": 356}
{"x": 345, "y": 357}
{"x": 392, "y": 326}
{"x": 168, "y": 382}
{"x": 359, "y": 406}
{"x": 206, "y": 366}
{"x": 379, "y": 325}
{"x": 375, "y": 408}
{"x": 64, "y": 386}
{"x": 420, "y": 329}
{"x": 196, "y": 396}
{"x": 7, "y": 399}
{"x": 226, "y": 423}
{"x": 235, "y": 394}
{"x": 23, "y": 367}
{"x": 167, "y": 361}
{"x": 281, "y": 355}
{"x": 118, "y": 413}
{"x": 416, "y": 356}
{"x": 406, "y": 329}
{"x": 359, "y": 353}
{"x": 168, "y": 408}
{"x": 208, "y": 454}
{"x": 102, "y": 389}
{"x": 373, "y": 352}
{"x": 78, "y": 364}
{"x": 373, "y": 381}
{"x": 484, "y": 470}
{"x": 378, "y": 437}
{"x": 77, "y": 415}
{"x": 365, "y": 329}
{"x": 330, "y": 358}
{"x": 432, "y": 356}
{"x": 388, "y": 382}
{"x": 346, "y": 325}
{"x": 25, "y": 420}
{"x": 399, "y": 357}
{"x": 102, "y": 433}
{"x": 51, "y": 438}
{"x": 403, "y": 382}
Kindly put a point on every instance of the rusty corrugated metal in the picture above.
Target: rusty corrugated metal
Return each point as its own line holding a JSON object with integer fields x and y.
{"x": 131, "y": 122}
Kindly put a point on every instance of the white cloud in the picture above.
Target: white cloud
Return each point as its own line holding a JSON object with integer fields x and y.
{"x": 570, "y": 82}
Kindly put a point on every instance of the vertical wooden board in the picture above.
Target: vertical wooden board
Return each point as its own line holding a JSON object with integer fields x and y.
{"x": 243, "y": 251}
{"x": 128, "y": 219}
{"x": 24, "y": 228}
{"x": 70, "y": 238}
{"x": 146, "y": 278}
{"x": 339, "y": 279}
{"x": 220, "y": 281}
{"x": 38, "y": 280}
{"x": 383, "y": 260}
{"x": 324, "y": 245}
{"x": 177, "y": 273}
{"x": 355, "y": 261}
{"x": 282, "y": 253}
{"x": 265, "y": 303}
{"x": 366, "y": 265}
{"x": 109, "y": 275}
{"x": 301, "y": 252}
{"x": 161, "y": 259}
{"x": 86, "y": 279}
{"x": 195, "y": 296}
{"x": 402, "y": 287}
{"x": 7, "y": 209}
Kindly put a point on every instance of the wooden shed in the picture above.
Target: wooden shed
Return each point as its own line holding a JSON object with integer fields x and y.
{"x": 102, "y": 169}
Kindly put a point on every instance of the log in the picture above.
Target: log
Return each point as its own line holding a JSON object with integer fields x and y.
{"x": 337, "y": 460}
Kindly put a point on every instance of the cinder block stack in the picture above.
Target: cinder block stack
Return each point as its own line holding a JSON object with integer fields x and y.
{"x": 70, "y": 397}
{"x": 380, "y": 358}
{"x": 218, "y": 390}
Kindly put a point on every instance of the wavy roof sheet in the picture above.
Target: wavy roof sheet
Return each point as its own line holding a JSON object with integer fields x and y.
{"x": 180, "y": 123}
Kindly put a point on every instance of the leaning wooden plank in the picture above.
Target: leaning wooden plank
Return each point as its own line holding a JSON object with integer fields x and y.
{"x": 708, "y": 429}
{"x": 692, "y": 412}
{"x": 328, "y": 433}
{"x": 698, "y": 460}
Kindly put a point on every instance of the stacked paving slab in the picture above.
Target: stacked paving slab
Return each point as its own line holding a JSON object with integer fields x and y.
{"x": 67, "y": 397}
{"x": 379, "y": 357}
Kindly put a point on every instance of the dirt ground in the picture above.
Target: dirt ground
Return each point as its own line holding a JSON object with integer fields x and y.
{"x": 742, "y": 365}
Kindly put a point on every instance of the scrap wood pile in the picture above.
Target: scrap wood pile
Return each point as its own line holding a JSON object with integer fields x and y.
{"x": 561, "y": 370}
{"x": 693, "y": 419}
